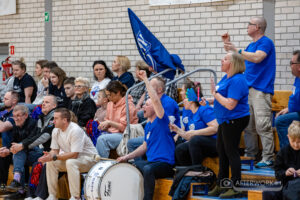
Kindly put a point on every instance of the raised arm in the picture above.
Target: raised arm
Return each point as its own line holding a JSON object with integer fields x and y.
{"x": 158, "y": 108}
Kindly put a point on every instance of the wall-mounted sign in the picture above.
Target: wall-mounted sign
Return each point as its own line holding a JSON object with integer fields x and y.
{"x": 47, "y": 16}
{"x": 12, "y": 50}
{"x": 8, "y": 7}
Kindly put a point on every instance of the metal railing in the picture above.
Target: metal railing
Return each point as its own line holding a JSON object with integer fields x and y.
{"x": 169, "y": 83}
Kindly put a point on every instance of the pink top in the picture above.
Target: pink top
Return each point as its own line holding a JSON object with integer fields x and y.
{"x": 117, "y": 113}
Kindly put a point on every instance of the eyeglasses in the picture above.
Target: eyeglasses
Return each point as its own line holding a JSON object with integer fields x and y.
{"x": 19, "y": 115}
{"x": 250, "y": 24}
{"x": 79, "y": 86}
{"x": 293, "y": 63}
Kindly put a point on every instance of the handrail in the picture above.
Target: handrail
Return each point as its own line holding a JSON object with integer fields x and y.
{"x": 173, "y": 81}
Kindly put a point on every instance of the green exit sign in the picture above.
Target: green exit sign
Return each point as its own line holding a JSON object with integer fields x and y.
{"x": 47, "y": 16}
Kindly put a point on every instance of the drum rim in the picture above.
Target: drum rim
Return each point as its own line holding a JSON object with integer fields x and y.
{"x": 114, "y": 163}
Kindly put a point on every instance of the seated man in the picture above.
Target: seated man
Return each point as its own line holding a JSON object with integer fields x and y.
{"x": 158, "y": 143}
{"x": 170, "y": 107}
{"x": 7, "y": 122}
{"x": 46, "y": 125}
{"x": 23, "y": 134}
{"x": 79, "y": 154}
{"x": 286, "y": 116}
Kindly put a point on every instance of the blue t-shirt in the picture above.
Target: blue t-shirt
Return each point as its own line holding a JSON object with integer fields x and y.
{"x": 294, "y": 101}
{"x": 199, "y": 120}
{"x": 171, "y": 109}
{"x": 7, "y": 136}
{"x": 234, "y": 87}
{"x": 261, "y": 76}
{"x": 186, "y": 115}
{"x": 160, "y": 142}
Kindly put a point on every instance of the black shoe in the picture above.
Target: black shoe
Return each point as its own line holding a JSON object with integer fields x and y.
{"x": 16, "y": 195}
{"x": 14, "y": 186}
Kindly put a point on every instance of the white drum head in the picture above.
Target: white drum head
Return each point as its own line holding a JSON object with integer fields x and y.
{"x": 109, "y": 180}
{"x": 122, "y": 181}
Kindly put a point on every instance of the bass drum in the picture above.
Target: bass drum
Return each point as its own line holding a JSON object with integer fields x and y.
{"x": 109, "y": 180}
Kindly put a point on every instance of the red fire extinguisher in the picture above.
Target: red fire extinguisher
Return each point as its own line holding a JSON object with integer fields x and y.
{"x": 7, "y": 69}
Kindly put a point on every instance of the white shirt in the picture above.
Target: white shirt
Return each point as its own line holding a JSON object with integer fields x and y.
{"x": 97, "y": 86}
{"x": 73, "y": 139}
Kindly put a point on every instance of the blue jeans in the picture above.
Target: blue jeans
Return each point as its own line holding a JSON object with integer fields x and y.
{"x": 133, "y": 144}
{"x": 106, "y": 142}
{"x": 152, "y": 171}
{"x": 27, "y": 157}
{"x": 282, "y": 124}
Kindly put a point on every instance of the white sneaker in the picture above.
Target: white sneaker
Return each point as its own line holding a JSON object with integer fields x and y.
{"x": 37, "y": 198}
{"x": 28, "y": 198}
{"x": 51, "y": 197}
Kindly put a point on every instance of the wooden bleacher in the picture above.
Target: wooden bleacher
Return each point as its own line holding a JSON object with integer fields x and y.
{"x": 279, "y": 102}
{"x": 162, "y": 187}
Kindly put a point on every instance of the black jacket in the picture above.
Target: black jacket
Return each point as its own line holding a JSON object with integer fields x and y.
{"x": 84, "y": 109}
{"x": 286, "y": 158}
{"x": 25, "y": 134}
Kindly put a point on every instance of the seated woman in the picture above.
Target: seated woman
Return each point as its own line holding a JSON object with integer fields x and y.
{"x": 102, "y": 75}
{"x": 115, "y": 120}
{"x": 23, "y": 83}
{"x": 83, "y": 106}
{"x": 200, "y": 129}
{"x": 56, "y": 88}
{"x": 121, "y": 65}
{"x": 41, "y": 90}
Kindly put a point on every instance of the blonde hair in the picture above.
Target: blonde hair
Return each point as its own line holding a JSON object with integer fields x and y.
{"x": 294, "y": 129}
{"x": 124, "y": 62}
{"x": 83, "y": 80}
{"x": 238, "y": 64}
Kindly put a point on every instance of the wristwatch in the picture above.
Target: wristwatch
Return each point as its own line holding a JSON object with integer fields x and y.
{"x": 54, "y": 158}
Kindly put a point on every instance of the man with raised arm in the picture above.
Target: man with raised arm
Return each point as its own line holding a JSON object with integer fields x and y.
{"x": 158, "y": 143}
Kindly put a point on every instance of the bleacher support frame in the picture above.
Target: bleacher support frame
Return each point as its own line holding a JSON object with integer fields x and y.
{"x": 173, "y": 81}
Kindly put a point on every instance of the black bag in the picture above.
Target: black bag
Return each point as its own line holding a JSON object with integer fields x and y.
{"x": 181, "y": 184}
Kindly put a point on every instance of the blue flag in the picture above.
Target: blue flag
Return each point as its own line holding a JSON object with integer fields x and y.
{"x": 151, "y": 49}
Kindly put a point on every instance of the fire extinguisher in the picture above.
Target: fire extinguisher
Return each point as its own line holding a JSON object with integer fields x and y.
{"x": 7, "y": 69}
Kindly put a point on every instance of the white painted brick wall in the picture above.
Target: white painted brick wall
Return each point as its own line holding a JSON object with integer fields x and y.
{"x": 86, "y": 30}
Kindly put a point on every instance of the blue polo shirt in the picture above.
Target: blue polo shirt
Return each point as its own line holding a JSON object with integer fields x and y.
{"x": 160, "y": 142}
{"x": 234, "y": 87}
{"x": 199, "y": 120}
{"x": 294, "y": 100}
{"x": 261, "y": 76}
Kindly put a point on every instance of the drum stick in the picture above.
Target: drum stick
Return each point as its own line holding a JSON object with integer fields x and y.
{"x": 98, "y": 158}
